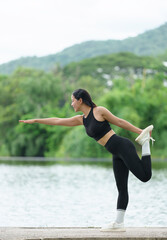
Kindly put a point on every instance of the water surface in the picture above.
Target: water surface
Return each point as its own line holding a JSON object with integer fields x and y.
{"x": 77, "y": 196}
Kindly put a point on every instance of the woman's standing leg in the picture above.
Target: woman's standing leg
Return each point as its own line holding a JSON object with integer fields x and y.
{"x": 121, "y": 173}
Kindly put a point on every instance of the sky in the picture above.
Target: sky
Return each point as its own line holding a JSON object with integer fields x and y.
{"x": 43, "y": 27}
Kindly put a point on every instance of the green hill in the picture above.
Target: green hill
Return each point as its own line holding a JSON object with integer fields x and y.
{"x": 100, "y": 72}
{"x": 150, "y": 43}
{"x": 123, "y": 64}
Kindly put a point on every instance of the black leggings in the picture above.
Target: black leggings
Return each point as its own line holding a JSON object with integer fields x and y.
{"x": 125, "y": 158}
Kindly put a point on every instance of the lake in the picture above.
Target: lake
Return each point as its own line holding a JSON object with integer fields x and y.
{"x": 77, "y": 195}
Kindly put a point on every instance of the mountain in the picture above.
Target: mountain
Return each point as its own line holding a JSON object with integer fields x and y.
{"x": 149, "y": 43}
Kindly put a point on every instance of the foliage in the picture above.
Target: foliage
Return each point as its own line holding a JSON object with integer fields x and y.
{"x": 131, "y": 87}
{"x": 25, "y": 94}
{"x": 76, "y": 144}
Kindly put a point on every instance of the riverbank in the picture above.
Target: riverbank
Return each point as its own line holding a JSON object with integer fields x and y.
{"x": 157, "y": 163}
{"x": 53, "y": 233}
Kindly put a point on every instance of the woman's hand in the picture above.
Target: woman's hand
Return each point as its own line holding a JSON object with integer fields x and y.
{"x": 30, "y": 121}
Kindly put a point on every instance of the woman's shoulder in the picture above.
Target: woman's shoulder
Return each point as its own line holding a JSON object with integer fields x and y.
{"x": 100, "y": 109}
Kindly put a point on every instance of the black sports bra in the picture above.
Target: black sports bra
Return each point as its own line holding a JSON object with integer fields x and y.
{"x": 94, "y": 128}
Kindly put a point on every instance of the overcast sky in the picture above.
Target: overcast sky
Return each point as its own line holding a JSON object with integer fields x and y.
{"x": 43, "y": 27}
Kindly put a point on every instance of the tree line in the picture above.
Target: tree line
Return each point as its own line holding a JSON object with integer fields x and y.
{"x": 131, "y": 88}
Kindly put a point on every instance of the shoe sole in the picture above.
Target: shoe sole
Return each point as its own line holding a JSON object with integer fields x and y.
{"x": 148, "y": 129}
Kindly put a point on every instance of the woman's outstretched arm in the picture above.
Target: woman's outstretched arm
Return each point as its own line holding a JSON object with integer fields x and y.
{"x": 118, "y": 121}
{"x": 69, "y": 122}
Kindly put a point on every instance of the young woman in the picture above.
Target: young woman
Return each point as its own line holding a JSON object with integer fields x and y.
{"x": 96, "y": 121}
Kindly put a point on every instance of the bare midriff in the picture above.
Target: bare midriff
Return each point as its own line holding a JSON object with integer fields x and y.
{"x": 106, "y": 137}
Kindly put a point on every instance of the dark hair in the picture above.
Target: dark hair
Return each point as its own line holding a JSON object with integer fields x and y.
{"x": 86, "y": 98}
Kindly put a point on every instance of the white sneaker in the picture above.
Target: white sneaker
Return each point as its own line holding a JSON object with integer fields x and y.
{"x": 145, "y": 135}
{"x": 118, "y": 227}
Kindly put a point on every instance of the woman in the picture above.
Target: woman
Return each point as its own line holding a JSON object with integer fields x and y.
{"x": 96, "y": 122}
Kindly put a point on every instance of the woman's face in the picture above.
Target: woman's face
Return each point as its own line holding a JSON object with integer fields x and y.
{"x": 75, "y": 103}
